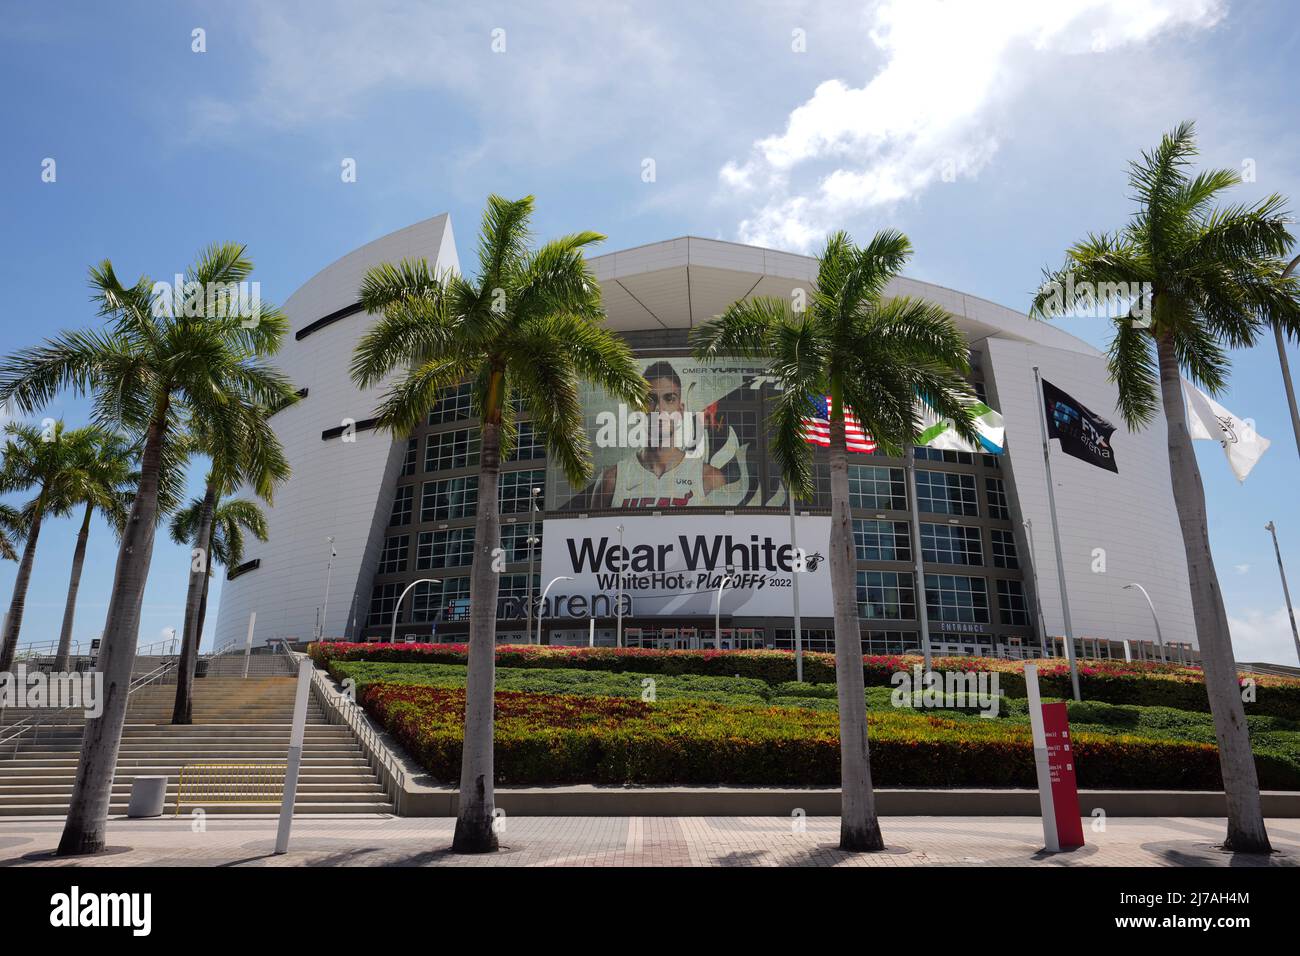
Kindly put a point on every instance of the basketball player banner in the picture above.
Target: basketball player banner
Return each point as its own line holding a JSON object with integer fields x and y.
{"x": 673, "y": 565}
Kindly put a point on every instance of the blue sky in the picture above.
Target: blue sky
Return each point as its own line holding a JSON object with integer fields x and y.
{"x": 994, "y": 138}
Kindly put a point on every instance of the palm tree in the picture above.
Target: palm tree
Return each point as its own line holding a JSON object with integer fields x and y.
{"x": 230, "y": 519}
{"x": 251, "y": 453}
{"x": 11, "y": 526}
{"x": 1211, "y": 278}
{"x": 35, "y": 458}
{"x": 163, "y": 359}
{"x": 99, "y": 476}
{"x": 874, "y": 355}
{"x": 528, "y": 328}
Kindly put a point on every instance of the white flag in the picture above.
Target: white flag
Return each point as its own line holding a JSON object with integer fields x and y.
{"x": 938, "y": 432}
{"x": 1207, "y": 419}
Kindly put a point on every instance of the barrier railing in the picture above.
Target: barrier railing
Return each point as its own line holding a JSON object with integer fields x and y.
{"x": 230, "y": 784}
{"x": 340, "y": 708}
{"x": 66, "y": 716}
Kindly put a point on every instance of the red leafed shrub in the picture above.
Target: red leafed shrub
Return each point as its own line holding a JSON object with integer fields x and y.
{"x": 567, "y": 739}
{"x": 1115, "y": 682}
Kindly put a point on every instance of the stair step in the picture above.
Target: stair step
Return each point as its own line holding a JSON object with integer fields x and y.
{"x": 119, "y": 809}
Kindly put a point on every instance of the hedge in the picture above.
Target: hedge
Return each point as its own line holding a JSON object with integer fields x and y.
{"x": 1117, "y": 682}
{"x": 567, "y": 739}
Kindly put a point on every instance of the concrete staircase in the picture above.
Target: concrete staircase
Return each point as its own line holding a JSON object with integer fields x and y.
{"x": 236, "y": 721}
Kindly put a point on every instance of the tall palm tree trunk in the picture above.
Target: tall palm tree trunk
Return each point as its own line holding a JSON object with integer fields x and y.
{"x": 74, "y": 585}
{"x": 859, "y": 827}
{"x": 23, "y": 579}
{"x": 474, "y": 821}
{"x": 182, "y": 711}
{"x": 83, "y": 831}
{"x": 203, "y": 607}
{"x": 1246, "y": 831}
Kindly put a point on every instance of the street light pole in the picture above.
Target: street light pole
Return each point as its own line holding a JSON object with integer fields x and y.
{"x": 329, "y": 572}
{"x": 542, "y": 602}
{"x": 717, "y": 613}
{"x": 1286, "y": 592}
{"x": 1286, "y": 366}
{"x": 1159, "y": 641}
{"x": 532, "y": 542}
{"x": 1038, "y": 599}
{"x": 397, "y": 608}
{"x": 618, "y": 607}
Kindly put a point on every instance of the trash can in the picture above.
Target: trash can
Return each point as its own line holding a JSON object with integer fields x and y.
{"x": 148, "y": 797}
{"x": 201, "y": 667}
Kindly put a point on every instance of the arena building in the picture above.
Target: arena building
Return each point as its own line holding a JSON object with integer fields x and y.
{"x": 368, "y": 521}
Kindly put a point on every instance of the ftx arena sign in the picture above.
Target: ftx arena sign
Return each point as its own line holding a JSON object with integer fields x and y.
{"x": 672, "y": 566}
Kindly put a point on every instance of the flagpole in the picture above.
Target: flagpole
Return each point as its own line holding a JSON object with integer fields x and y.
{"x": 1056, "y": 537}
{"x": 794, "y": 588}
{"x": 922, "y": 612}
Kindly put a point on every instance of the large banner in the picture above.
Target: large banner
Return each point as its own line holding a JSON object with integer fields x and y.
{"x": 673, "y": 565}
{"x": 702, "y": 441}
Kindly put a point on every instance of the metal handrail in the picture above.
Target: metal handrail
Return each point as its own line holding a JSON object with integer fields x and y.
{"x": 348, "y": 711}
{"x": 36, "y": 722}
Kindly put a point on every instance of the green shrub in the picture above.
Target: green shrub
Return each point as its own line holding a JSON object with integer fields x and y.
{"x": 1116, "y": 682}
{"x": 563, "y": 739}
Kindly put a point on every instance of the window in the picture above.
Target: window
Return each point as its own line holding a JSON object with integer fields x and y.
{"x": 1012, "y": 606}
{"x": 991, "y": 461}
{"x": 516, "y": 586}
{"x": 815, "y": 639}
{"x": 1003, "y": 545}
{"x": 875, "y": 488}
{"x": 449, "y": 498}
{"x": 886, "y": 595}
{"x": 408, "y": 463}
{"x": 891, "y": 642}
{"x": 529, "y": 443}
{"x": 514, "y": 539}
{"x": 996, "y": 493}
{"x": 954, "y": 597}
{"x": 402, "y": 506}
{"x": 951, "y": 544}
{"x": 979, "y": 392}
{"x": 821, "y": 487}
{"x": 453, "y": 405}
{"x": 945, "y": 455}
{"x": 448, "y": 601}
{"x": 454, "y": 449}
{"x": 393, "y": 560}
{"x": 881, "y": 540}
{"x": 452, "y": 548}
{"x": 517, "y": 490}
{"x": 383, "y": 598}
{"x": 946, "y": 493}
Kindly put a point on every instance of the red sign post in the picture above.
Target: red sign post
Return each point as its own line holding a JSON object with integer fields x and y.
{"x": 1060, "y": 763}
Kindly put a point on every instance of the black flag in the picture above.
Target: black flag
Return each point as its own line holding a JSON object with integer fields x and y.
{"x": 1083, "y": 433}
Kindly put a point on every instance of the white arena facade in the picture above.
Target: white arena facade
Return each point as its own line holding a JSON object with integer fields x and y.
{"x": 400, "y": 510}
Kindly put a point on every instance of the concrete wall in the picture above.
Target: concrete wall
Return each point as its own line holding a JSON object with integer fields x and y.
{"x": 1129, "y": 515}
{"x": 337, "y": 488}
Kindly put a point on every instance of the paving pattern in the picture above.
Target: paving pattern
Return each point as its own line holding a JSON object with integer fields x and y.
{"x": 378, "y": 840}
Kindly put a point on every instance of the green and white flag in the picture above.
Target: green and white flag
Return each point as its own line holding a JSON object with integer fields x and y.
{"x": 938, "y": 432}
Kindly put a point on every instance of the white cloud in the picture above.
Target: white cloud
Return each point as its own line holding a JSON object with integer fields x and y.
{"x": 1263, "y": 636}
{"x": 1241, "y": 568}
{"x": 930, "y": 111}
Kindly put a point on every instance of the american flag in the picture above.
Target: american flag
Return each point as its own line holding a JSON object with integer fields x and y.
{"x": 817, "y": 429}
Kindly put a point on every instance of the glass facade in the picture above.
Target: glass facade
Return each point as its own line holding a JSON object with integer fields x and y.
{"x": 974, "y": 595}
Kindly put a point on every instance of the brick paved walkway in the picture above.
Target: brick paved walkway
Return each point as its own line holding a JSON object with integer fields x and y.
{"x": 356, "y": 840}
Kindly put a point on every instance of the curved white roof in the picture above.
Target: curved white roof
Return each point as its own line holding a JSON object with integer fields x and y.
{"x": 680, "y": 283}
